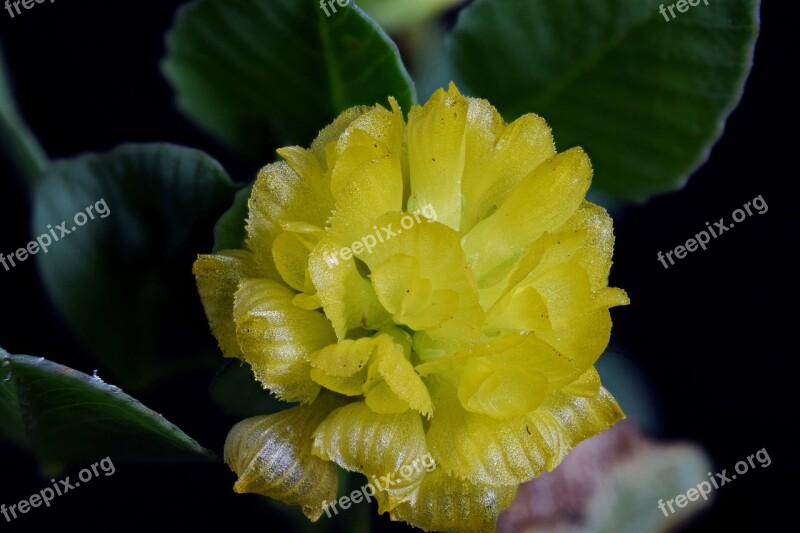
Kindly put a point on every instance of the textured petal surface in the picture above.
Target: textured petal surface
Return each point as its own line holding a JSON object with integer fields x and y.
{"x": 276, "y": 338}
{"x": 376, "y": 445}
{"x": 391, "y": 366}
{"x": 436, "y": 251}
{"x": 557, "y": 187}
{"x": 498, "y": 156}
{"x": 436, "y": 153}
{"x": 271, "y": 455}
{"x": 367, "y": 179}
{"x": 447, "y": 503}
{"x": 281, "y": 196}
{"x": 346, "y": 295}
{"x": 511, "y": 451}
{"x": 218, "y": 278}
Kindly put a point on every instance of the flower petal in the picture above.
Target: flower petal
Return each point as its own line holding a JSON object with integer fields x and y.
{"x": 498, "y": 156}
{"x": 342, "y": 367}
{"x": 282, "y": 196}
{"x": 598, "y": 247}
{"x": 347, "y": 297}
{"x": 276, "y": 337}
{"x": 218, "y": 278}
{"x": 391, "y": 366}
{"x": 509, "y": 452}
{"x": 436, "y": 153}
{"x": 514, "y": 349}
{"x": 501, "y": 387}
{"x": 411, "y": 298}
{"x": 436, "y": 249}
{"x": 272, "y": 456}
{"x": 377, "y": 445}
{"x": 328, "y": 136}
{"x": 557, "y": 187}
{"x": 290, "y": 254}
{"x": 367, "y": 179}
{"x": 447, "y": 503}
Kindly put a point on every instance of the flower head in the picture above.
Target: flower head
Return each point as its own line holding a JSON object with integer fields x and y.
{"x": 436, "y": 288}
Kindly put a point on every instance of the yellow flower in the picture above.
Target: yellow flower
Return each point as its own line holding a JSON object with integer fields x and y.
{"x": 431, "y": 289}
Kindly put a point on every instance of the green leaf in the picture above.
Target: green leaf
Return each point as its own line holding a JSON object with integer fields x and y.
{"x": 231, "y": 229}
{"x": 645, "y": 97}
{"x": 21, "y": 146}
{"x": 406, "y": 15}
{"x": 71, "y": 418}
{"x": 11, "y": 425}
{"x": 123, "y": 281}
{"x": 258, "y": 73}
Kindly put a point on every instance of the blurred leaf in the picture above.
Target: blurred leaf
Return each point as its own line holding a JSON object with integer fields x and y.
{"x": 645, "y": 97}
{"x": 397, "y": 16}
{"x": 124, "y": 282}
{"x": 629, "y": 504}
{"x": 73, "y": 418}
{"x": 230, "y": 231}
{"x": 259, "y": 74}
{"x": 18, "y": 142}
{"x": 611, "y": 483}
{"x": 236, "y": 390}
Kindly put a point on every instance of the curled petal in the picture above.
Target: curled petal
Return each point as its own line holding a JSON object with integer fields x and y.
{"x": 498, "y": 156}
{"x": 276, "y": 338}
{"x": 392, "y": 384}
{"x": 512, "y": 451}
{"x": 347, "y": 297}
{"x": 326, "y": 140}
{"x": 411, "y": 298}
{"x": 218, "y": 278}
{"x": 290, "y": 255}
{"x": 283, "y": 198}
{"x": 271, "y": 455}
{"x": 501, "y": 388}
{"x": 447, "y": 503}
{"x": 367, "y": 179}
{"x": 558, "y": 185}
{"x": 515, "y": 350}
{"x": 436, "y": 153}
{"x": 378, "y": 446}
{"x": 435, "y": 250}
{"x": 341, "y": 367}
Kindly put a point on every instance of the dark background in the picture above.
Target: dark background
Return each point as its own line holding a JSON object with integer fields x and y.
{"x": 710, "y": 334}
